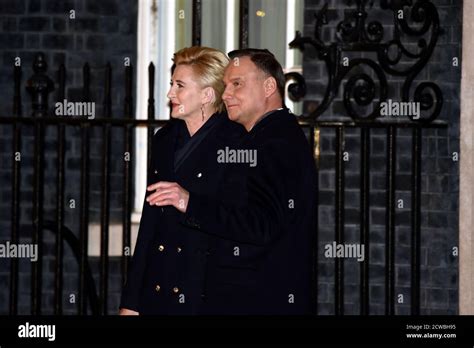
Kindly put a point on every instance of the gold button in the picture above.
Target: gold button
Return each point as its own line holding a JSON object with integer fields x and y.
{"x": 179, "y": 249}
{"x": 175, "y": 289}
{"x": 161, "y": 248}
{"x": 157, "y": 288}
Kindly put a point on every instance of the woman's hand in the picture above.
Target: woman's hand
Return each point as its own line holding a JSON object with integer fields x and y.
{"x": 125, "y": 311}
{"x": 168, "y": 193}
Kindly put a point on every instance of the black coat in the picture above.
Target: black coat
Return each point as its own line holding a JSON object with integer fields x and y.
{"x": 263, "y": 221}
{"x": 167, "y": 271}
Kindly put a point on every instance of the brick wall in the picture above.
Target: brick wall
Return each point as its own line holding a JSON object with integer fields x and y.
{"x": 102, "y": 31}
{"x": 440, "y": 177}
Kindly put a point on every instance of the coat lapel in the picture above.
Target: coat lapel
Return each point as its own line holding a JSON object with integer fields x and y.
{"x": 205, "y": 151}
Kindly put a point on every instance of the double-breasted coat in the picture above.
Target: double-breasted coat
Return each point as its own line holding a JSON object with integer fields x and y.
{"x": 167, "y": 273}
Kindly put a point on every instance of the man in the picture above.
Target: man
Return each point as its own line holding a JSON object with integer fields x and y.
{"x": 260, "y": 226}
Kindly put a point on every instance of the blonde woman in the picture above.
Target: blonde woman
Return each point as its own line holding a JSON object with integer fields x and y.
{"x": 167, "y": 274}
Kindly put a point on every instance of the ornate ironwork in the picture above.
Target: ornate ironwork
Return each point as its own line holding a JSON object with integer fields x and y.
{"x": 418, "y": 20}
{"x": 296, "y": 90}
{"x": 39, "y": 86}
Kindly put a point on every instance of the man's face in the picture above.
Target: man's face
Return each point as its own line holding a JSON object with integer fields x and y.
{"x": 244, "y": 95}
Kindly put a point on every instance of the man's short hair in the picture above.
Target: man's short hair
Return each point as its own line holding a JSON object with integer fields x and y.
{"x": 265, "y": 61}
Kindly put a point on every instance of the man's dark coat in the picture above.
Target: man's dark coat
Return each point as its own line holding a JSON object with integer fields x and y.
{"x": 264, "y": 220}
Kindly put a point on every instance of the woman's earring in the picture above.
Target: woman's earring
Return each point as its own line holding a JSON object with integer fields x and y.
{"x": 202, "y": 112}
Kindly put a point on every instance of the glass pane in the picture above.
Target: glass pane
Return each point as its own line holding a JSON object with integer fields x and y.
{"x": 267, "y": 26}
{"x": 213, "y": 24}
{"x": 184, "y": 20}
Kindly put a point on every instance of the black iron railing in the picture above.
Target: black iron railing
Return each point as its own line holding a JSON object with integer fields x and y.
{"x": 40, "y": 86}
{"x": 360, "y": 89}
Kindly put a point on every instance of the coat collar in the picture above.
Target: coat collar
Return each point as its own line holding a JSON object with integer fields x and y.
{"x": 213, "y": 136}
{"x": 267, "y": 118}
{"x": 164, "y": 150}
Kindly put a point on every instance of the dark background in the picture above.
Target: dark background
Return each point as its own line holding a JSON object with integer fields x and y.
{"x": 440, "y": 176}
{"x": 102, "y": 32}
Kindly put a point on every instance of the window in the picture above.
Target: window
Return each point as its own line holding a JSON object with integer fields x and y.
{"x": 165, "y": 26}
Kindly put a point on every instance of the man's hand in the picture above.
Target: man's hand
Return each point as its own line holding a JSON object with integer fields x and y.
{"x": 168, "y": 193}
{"x": 125, "y": 311}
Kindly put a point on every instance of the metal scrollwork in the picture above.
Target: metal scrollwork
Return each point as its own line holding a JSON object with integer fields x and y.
{"x": 360, "y": 89}
{"x": 416, "y": 20}
{"x": 297, "y": 89}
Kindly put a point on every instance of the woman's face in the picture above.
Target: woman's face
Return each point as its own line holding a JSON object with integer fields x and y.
{"x": 185, "y": 93}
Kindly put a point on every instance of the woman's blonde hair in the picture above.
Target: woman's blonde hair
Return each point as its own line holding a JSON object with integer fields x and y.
{"x": 208, "y": 65}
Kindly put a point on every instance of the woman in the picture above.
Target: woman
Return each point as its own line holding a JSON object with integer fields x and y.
{"x": 167, "y": 274}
